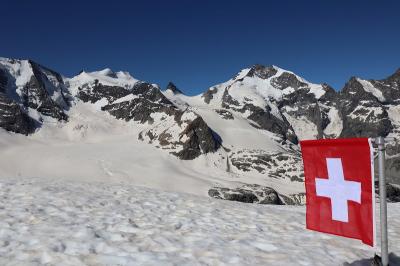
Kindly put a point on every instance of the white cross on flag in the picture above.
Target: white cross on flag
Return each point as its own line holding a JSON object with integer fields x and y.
{"x": 339, "y": 187}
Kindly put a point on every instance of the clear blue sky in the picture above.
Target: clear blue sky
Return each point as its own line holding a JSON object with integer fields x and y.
{"x": 197, "y": 44}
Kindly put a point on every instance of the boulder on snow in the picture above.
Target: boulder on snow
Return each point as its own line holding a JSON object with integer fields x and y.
{"x": 393, "y": 192}
{"x": 294, "y": 199}
{"x": 253, "y": 193}
{"x": 247, "y": 194}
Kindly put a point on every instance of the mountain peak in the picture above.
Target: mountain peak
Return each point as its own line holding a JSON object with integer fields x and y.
{"x": 171, "y": 86}
{"x": 108, "y": 72}
{"x": 261, "y": 71}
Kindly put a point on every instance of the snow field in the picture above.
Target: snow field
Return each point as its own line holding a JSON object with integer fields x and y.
{"x": 51, "y": 222}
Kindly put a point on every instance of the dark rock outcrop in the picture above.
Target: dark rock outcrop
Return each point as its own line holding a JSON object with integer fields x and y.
{"x": 363, "y": 114}
{"x": 393, "y": 192}
{"x": 390, "y": 87}
{"x": 37, "y": 93}
{"x": 201, "y": 139}
{"x": 225, "y": 114}
{"x": 256, "y": 194}
{"x": 171, "y": 86}
{"x": 264, "y": 118}
{"x": 261, "y": 71}
{"x": 287, "y": 80}
{"x": 44, "y": 92}
{"x": 301, "y": 104}
{"x": 209, "y": 94}
{"x": 247, "y": 194}
{"x": 97, "y": 91}
{"x": 13, "y": 117}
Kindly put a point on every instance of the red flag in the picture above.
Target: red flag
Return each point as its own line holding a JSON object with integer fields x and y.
{"x": 340, "y": 191}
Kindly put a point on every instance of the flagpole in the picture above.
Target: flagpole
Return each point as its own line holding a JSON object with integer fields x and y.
{"x": 380, "y": 141}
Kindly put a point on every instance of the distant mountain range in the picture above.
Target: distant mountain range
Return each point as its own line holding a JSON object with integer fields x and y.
{"x": 254, "y": 120}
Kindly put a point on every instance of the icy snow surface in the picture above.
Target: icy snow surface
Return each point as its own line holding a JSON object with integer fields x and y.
{"x": 53, "y": 222}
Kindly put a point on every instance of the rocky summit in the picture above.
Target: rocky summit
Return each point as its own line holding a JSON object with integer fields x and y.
{"x": 249, "y": 126}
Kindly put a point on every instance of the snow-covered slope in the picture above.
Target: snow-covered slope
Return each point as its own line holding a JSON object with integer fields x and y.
{"x": 54, "y": 222}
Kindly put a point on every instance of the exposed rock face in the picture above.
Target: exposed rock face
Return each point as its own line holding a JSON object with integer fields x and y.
{"x": 200, "y": 140}
{"x": 13, "y": 118}
{"x": 263, "y": 117}
{"x": 364, "y": 114}
{"x": 3, "y": 80}
{"x": 25, "y": 84}
{"x": 37, "y": 93}
{"x": 310, "y": 111}
{"x": 262, "y": 71}
{"x": 389, "y": 87}
{"x": 266, "y": 120}
{"x": 208, "y": 95}
{"x": 274, "y": 165}
{"x": 225, "y": 114}
{"x": 99, "y": 91}
{"x": 287, "y": 80}
{"x": 144, "y": 100}
{"x": 255, "y": 194}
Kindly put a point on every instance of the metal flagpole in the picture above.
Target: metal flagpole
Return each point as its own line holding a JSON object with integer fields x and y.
{"x": 380, "y": 141}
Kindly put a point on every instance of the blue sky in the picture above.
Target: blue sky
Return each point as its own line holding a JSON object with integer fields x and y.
{"x": 197, "y": 44}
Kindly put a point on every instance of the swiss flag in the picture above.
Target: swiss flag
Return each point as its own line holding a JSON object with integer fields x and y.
{"x": 339, "y": 187}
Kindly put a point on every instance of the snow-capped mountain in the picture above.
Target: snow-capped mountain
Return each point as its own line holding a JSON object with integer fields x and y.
{"x": 31, "y": 92}
{"x": 293, "y": 109}
{"x": 243, "y": 131}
